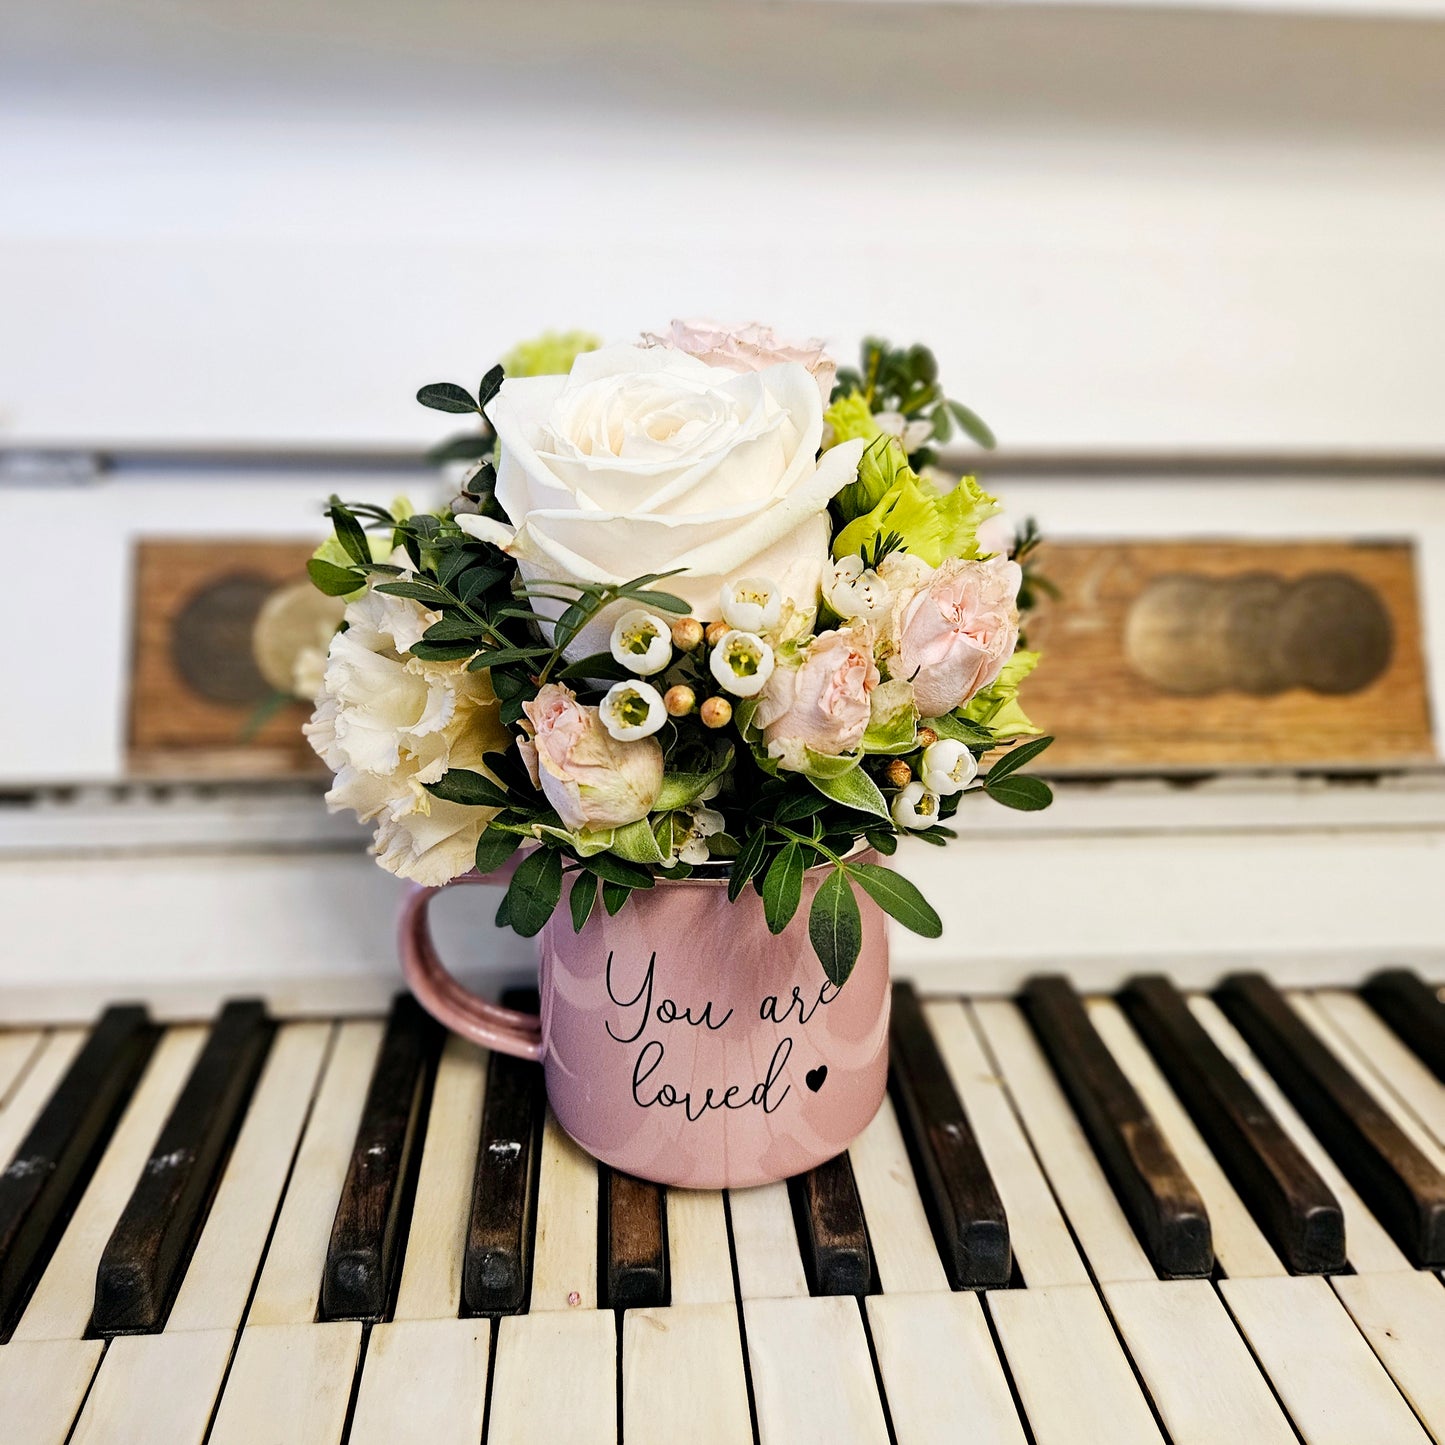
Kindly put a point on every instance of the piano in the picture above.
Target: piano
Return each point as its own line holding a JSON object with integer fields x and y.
{"x": 1161, "y": 1160}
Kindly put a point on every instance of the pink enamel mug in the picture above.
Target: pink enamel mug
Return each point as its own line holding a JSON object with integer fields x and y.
{"x": 681, "y": 1041}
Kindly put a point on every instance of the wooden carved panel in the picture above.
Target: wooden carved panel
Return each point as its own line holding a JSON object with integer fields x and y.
{"x": 207, "y": 682}
{"x": 1218, "y": 654}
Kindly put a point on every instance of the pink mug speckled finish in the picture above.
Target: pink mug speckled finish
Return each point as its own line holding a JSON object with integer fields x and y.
{"x": 681, "y": 1041}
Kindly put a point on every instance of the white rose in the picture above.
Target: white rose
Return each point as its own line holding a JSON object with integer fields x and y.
{"x": 649, "y": 460}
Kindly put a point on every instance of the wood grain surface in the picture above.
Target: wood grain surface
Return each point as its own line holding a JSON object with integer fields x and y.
{"x": 194, "y": 685}
{"x": 1181, "y": 655}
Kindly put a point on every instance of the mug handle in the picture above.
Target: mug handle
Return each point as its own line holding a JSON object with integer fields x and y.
{"x": 488, "y": 1024}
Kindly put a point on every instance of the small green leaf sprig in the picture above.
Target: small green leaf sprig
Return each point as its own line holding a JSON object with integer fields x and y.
{"x": 904, "y": 379}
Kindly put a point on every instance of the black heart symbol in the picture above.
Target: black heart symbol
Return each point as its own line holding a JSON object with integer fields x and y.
{"x": 814, "y": 1077}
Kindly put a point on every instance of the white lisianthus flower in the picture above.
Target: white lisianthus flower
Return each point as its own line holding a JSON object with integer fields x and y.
{"x": 703, "y": 823}
{"x": 947, "y": 767}
{"x": 742, "y": 663}
{"x": 855, "y": 592}
{"x": 387, "y": 724}
{"x": 915, "y": 807}
{"x": 651, "y": 457}
{"x": 632, "y": 710}
{"x": 642, "y": 642}
{"x": 751, "y": 604}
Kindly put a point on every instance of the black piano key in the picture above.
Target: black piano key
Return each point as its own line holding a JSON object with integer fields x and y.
{"x": 43, "y": 1183}
{"x": 1294, "y": 1207}
{"x": 367, "y": 1232}
{"x": 1414, "y": 1010}
{"x": 142, "y": 1263}
{"x": 634, "y": 1235}
{"x": 831, "y": 1229}
{"x": 1159, "y": 1197}
{"x": 1404, "y": 1191}
{"x": 963, "y": 1202}
{"x": 498, "y": 1259}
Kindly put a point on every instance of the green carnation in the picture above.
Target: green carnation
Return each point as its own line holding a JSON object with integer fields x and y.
{"x": 933, "y": 524}
{"x": 550, "y": 354}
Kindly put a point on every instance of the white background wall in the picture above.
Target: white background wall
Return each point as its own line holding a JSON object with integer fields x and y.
{"x": 1134, "y": 228}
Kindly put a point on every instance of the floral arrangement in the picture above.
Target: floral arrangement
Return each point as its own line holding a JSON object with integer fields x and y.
{"x": 703, "y": 603}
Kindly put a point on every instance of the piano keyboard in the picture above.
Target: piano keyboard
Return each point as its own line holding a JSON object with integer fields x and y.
{"x": 1156, "y": 1217}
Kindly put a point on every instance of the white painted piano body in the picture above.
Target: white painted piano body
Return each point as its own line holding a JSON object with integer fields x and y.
{"x": 182, "y": 895}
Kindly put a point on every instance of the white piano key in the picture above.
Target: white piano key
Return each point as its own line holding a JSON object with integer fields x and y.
{"x": 1336, "y": 1391}
{"x": 289, "y": 1290}
{"x": 1403, "y": 1318}
{"x": 289, "y": 1385}
{"x": 1340, "y": 1046}
{"x": 56, "y": 1053}
{"x": 765, "y": 1243}
{"x": 1078, "y": 1181}
{"x": 61, "y": 1305}
{"x": 940, "y": 1368}
{"x": 42, "y": 1385}
{"x": 423, "y": 1380}
{"x": 555, "y": 1379}
{"x": 17, "y": 1048}
{"x": 1375, "y": 1046}
{"x": 1239, "y": 1244}
{"x": 1042, "y": 1246}
{"x": 699, "y": 1261}
{"x": 1199, "y": 1372}
{"x": 156, "y": 1388}
{"x": 682, "y": 1377}
{"x": 813, "y": 1381}
{"x": 1367, "y": 1245}
{"x": 564, "y": 1254}
{"x": 218, "y": 1281}
{"x": 1069, "y": 1368}
{"x": 904, "y": 1252}
{"x": 431, "y": 1277}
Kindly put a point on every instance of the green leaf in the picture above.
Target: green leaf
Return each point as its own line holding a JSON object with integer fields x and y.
{"x": 442, "y": 651}
{"x": 680, "y": 789}
{"x": 974, "y": 426}
{"x": 638, "y": 844}
{"x": 835, "y": 927}
{"x": 960, "y": 729}
{"x": 535, "y": 890}
{"x": 460, "y": 449}
{"x": 1014, "y": 759}
{"x": 617, "y": 870}
{"x": 854, "y": 790}
{"x": 349, "y": 532}
{"x": 472, "y": 789}
{"x": 748, "y": 861}
{"x": 783, "y": 887}
{"x": 451, "y": 628}
{"x": 664, "y": 601}
{"x": 897, "y": 897}
{"x": 446, "y": 396}
{"x": 491, "y": 385}
{"x": 478, "y": 580}
{"x": 334, "y": 581}
{"x": 505, "y": 656}
{"x": 885, "y": 843}
{"x": 599, "y": 667}
{"x": 800, "y": 805}
{"x": 1026, "y": 794}
{"x": 614, "y": 895}
{"x": 494, "y": 848}
{"x": 417, "y": 591}
{"x": 584, "y": 895}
